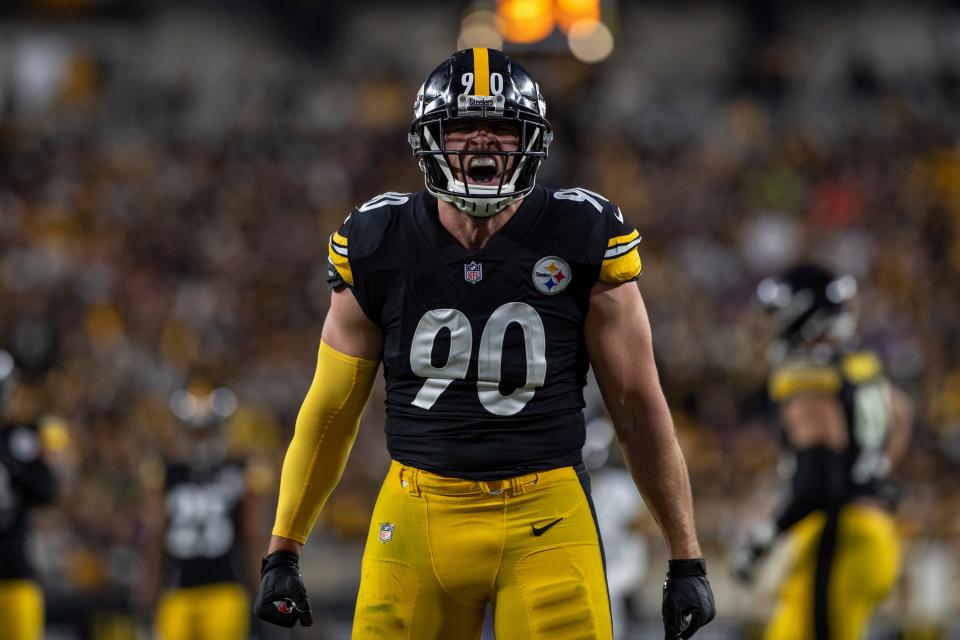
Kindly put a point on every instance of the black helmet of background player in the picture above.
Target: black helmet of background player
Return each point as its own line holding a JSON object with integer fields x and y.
{"x": 202, "y": 410}
{"x": 479, "y": 84}
{"x": 8, "y": 381}
{"x": 812, "y": 306}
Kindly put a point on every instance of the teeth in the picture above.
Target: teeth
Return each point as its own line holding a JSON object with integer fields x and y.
{"x": 482, "y": 161}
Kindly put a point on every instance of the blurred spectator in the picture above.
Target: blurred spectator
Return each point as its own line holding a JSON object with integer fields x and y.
{"x": 167, "y": 186}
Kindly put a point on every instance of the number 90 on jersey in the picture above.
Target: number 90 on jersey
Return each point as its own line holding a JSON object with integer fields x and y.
{"x": 489, "y": 357}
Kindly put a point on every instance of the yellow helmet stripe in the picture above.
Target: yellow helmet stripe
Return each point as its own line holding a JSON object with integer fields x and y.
{"x": 481, "y": 71}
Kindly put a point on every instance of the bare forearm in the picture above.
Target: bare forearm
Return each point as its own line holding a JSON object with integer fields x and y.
{"x": 631, "y": 391}
{"x": 656, "y": 463}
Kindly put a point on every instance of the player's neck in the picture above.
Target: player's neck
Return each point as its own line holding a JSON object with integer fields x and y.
{"x": 470, "y": 232}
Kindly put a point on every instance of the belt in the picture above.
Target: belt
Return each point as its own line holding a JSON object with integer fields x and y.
{"x": 416, "y": 481}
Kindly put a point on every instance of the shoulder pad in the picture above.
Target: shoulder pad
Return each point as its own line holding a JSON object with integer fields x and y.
{"x": 360, "y": 234}
{"x": 794, "y": 378}
{"x": 861, "y": 366}
{"x": 591, "y": 201}
{"x": 617, "y": 239}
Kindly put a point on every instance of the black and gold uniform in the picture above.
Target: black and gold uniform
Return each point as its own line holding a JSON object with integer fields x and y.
{"x": 845, "y": 554}
{"x": 484, "y": 361}
{"x": 26, "y": 481}
{"x": 203, "y": 553}
{"x": 483, "y": 354}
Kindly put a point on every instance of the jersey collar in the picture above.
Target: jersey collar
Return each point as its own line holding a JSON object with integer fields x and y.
{"x": 440, "y": 240}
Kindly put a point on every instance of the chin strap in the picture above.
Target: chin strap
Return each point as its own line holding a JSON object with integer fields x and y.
{"x": 477, "y": 207}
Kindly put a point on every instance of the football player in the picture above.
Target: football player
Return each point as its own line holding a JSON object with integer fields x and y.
{"x": 486, "y": 297}
{"x": 26, "y": 481}
{"x": 845, "y": 426}
{"x": 208, "y": 500}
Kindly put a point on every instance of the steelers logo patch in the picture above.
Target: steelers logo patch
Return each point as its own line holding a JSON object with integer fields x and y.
{"x": 551, "y": 275}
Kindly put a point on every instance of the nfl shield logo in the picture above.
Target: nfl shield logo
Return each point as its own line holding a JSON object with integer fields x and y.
{"x": 386, "y": 532}
{"x": 473, "y": 272}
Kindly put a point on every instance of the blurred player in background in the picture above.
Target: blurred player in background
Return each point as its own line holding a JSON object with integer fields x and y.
{"x": 26, "y": 481}
{"x": 486, "y": 297}
{"x": 620, "y": 510}
{"x": 845, "y": 426}
{"x": 208, "y": 500}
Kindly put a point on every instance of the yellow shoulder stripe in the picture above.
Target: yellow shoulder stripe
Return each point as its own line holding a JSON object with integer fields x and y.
{"x": 621, "y": 269}
{"x": 612, "y": 242}
{"x": 339, "y": 239}
{"x": 861, "y": 366}
{"x": 790, "y": 381}
{"x": 621, "y": 246}
{"x": 341, "y": 264}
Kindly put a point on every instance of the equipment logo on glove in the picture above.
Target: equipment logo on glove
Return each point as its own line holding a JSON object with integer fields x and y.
{"x": 283, "y": 598}
{"x": 284, "y": 606}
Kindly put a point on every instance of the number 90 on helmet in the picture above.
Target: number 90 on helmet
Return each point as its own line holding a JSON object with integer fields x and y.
{"x": 480, "y": 84}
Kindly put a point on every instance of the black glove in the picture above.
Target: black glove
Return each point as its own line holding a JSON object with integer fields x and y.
{"x": 282, "y": 599}
{"x": 747, "y": 555}
{"x": 687, "y": 598}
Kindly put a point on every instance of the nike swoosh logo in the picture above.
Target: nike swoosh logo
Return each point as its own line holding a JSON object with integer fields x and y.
{"x": 542, "y": 530}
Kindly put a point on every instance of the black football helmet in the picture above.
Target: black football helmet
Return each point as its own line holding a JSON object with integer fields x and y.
{"x": 483, "y": 84}
{"x": 203, "y": 411}
{"x": 200, "y": 407}
{"x": 810, "y": 304}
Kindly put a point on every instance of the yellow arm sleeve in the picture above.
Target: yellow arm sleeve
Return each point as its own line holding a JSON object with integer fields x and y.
{"x": 326, "y": 428}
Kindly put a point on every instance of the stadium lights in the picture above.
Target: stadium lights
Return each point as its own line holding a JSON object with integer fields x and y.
{"x": 590, "y": 41}
{"x": 479, "y": 29}
{"x": 569, "y": 12}
{"x": 533, "y": 21}
{"x": 525, "y": 21}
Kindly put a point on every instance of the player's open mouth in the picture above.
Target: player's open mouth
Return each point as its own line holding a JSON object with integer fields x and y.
{"x": 483, "y": 169}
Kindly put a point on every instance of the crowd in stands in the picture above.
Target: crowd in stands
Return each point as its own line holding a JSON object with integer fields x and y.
{"x": 136, "y": 258}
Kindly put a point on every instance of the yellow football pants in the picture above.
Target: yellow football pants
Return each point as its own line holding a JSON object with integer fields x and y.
{"x": 841, "y": 567}
{"x": 21, "y": 610}
{"x": 209, "y": 612}
{"x": 439, "y": 549}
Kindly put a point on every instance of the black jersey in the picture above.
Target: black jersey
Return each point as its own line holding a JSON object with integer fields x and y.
{"x": 858, "y": 381}
{"x": 25, "y": 482}
{"x": 202, "y": 541}
{"x": 484, "y": 357}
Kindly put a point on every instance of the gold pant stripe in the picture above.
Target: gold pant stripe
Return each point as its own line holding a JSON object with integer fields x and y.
{"x": 439, "y": 549}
